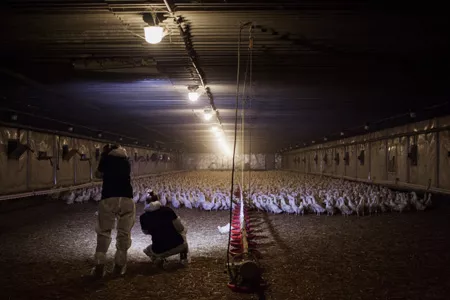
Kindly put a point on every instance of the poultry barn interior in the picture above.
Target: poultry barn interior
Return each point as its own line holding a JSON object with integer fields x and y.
{"x": 310, "y": 139}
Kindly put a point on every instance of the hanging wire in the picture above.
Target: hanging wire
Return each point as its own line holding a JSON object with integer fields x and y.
{"x": 232, "y": 277}
{"x": 245, "y": 97}
{"x": 250, "y": 46}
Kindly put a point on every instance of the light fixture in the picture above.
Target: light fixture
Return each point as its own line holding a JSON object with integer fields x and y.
{"x": 14, "y": 117}
{"x": 313, "y": 142}
{"x": 325, "y": 139}
{"x": 99, "y": 135}
{"x": 342, "y": 133}
{"x": 214, "y": 129}
{"x": 70, "y": 129}
{"x": 412, "y": 115}
{"x": 153, "y": 34}
{"x": 208, "y": 116}
{"x": 366, "y": 127}
{"x": 120, "y": 139}
{"x": 193, "y": 94}
{"x": 208, "y": 113}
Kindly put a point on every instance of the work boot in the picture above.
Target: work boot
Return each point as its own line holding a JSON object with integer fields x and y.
{"x": 184, "y": 260}
{"x": 98, "y": 271}
{"x": 119, "y": 270}
{"x": 159, "y": 262}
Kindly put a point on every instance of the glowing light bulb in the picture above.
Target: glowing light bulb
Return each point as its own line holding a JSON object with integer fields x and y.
{"x": 153, "y": 34}
{"x": 214, "y": 129}
{"x": 193, "y": 96}
{"x": 208, "y": 115}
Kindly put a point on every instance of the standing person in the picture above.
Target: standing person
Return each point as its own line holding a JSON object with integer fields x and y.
{"x": 167, "y": 231}
{"x": 116, "y": 203}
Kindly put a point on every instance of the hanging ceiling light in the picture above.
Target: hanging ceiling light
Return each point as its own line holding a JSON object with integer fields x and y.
{"x": 193, "y": 94}
{"x": 208, "y": 113}
{"x": 153, "y": 34}
{"x": 214, "y": 129}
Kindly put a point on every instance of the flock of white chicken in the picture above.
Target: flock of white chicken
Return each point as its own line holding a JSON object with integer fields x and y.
{"x": 274, "y": 192}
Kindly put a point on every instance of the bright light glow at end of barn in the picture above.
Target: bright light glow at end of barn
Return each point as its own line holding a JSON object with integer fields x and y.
{"x": 224, "y": 146}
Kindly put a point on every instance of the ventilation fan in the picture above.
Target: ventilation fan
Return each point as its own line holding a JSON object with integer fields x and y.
{"x": 336, "y": 158}
{"x": 68, "y": 154}
{"x": 347, "y": 158}
{"x": 412, "y": 155}
{"x": 361, "y": 158}
{"x": 16, "y": 149}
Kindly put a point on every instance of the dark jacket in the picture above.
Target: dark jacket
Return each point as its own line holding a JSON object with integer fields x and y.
{"x": 159, "y": 223}
{"x": 115, "y": 170}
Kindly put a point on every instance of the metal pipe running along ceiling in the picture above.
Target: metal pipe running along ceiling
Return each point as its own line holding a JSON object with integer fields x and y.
{"x": 193, "y": 57}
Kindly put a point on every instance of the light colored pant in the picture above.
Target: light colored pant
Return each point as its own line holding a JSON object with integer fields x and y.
{"x": 177, "y": 250}
{"x": 124, "y": 210}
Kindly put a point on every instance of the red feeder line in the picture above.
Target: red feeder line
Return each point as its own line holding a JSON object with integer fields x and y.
{"x": 239, "y": 244}
{"x": 239, "y": 236}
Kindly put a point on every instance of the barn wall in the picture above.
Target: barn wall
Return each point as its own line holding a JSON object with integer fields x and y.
{"x": 213, "y": 161}
{"x": 13, "y": 173}
{"x": 384, "y": 157}
{"x": 44, "y": 166}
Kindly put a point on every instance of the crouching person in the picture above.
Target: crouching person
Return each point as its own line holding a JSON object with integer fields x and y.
{"x": 167, "y": 231}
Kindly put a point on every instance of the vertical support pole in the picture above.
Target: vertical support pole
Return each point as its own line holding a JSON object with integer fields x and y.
{"x": 408, "y": 163}
{"x": 75, "y": 163}
{"x": 56, "y": 156}
{"x": 369, "y": 151}
{"x": 438, "y": 152}
{"x": 27, "y": 132}
{"x": 357, "y": 160}
{"x": 386, "y": 160}
{"x": 91, "y": 173}
{"x": 345, "y": 162}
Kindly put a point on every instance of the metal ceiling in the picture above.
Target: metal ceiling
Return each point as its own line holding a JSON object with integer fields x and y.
{"x": 319, "y": 67}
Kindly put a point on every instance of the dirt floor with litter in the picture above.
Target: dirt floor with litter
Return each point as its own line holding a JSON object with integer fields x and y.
{"x": 46, "y": 253}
